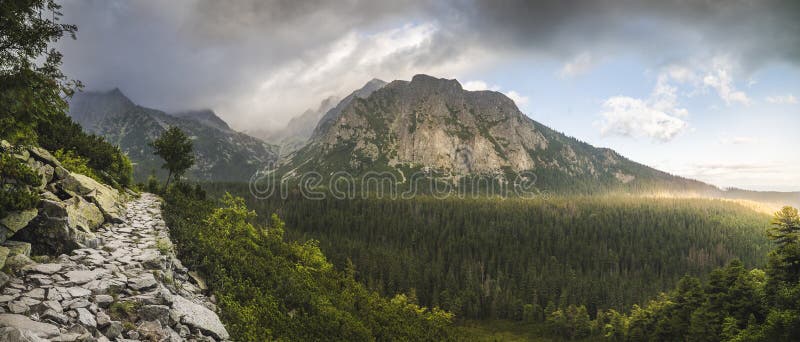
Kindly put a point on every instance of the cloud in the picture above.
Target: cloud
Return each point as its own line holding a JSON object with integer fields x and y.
{"x": 577, "y": 66}
{"x": 478, "y": 85}
{"x": 719, "y": 78}
{"x": 518, "y": 99}
{"x": 475, "y": 85}
{"x": 632, "y": 117}
{"x": 259, "y": 62}
{"x": 782, "y": 99}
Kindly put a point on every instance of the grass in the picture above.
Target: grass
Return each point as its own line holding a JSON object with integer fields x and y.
{"x": 503, "y": 330}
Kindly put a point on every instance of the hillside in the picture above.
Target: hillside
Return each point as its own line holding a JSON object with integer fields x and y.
{"x": 434, "y": 126}
{"x": 221, "y": 153}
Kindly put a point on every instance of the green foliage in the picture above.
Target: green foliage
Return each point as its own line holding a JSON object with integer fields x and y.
{"x": 733, "y": 304}
{"x": 16, "y": 180}
{"x": 269, "y": 288}
{"x": 33, "y": 90}
{"x": 489, "y": 258}
{"x": 176, "y": 149}
{"x": 31, "y": 82}
{"x": 75, "y": 163}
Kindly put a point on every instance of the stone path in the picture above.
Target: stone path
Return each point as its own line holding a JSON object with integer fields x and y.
{"x": 130, "y": 288}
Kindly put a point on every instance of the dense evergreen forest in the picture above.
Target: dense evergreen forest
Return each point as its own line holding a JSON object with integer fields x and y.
{"x": 512, "y": 258}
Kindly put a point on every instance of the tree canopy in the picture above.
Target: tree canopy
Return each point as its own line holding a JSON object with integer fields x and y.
{"x": 176, "y": 149}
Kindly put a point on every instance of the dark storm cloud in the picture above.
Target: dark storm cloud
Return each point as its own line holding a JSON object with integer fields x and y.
{"x": 234, "y": 55}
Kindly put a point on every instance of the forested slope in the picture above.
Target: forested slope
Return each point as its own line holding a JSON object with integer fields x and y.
{"x": 489, "y": 257}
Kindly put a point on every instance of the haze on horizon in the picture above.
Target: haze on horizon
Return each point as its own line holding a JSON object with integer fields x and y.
{"x": 707, "y": 90}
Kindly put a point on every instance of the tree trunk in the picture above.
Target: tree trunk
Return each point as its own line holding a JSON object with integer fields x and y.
{"x": 166, "y": 185}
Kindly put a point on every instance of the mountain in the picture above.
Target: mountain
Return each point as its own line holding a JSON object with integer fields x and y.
{"x": 206, "y": 117}
{"x": 434, "y": 125}
{"x": 222, "y": 154}
{"x": 300, "y": 128}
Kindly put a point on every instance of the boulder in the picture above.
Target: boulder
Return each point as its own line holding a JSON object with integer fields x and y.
{"x": 18, "y": 248}
{"x": 15, "y": 221}
{"x": 62, "y": 226}
{"x": 197, "y": 316}
{"x": 43, "y": 156}
{"x": 83, "y": 215}
{"x": 107, "y": 198}
{"x": 11, "y": 334}
{"x": 18, "y": 262}
{"x": 25, "y": 324}
{"x": 4, "y": 251}
{"x": 45, "y": 171}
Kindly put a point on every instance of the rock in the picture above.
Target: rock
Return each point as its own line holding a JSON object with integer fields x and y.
{"x": 45, "y": 171}
{"x": 49, "y": 196}
{"x": 103, "y": 301}
{"x": 86, "y": 318}
{"x": 151, "y": 330}
{"x": 18, "y": 307}
{"x": 56, "y": 229}
{"x": 61, "y": 172}
{"x": 83, "y": 276}
{"x": 11, "y": 334}
{"x": 4, "y": 278}
{"x": 103, "y": 196}
{"x": 198, "y": 316}
{"x": 37, "y": 293}
{"x": 18, "y": 248}
{"x": 16, "y": 220}
{"x": 83, "y": 215}
{"x": 4, "y": 251}
{"x": 24, "y": 324}
{"x": 102, "y": 319}
{"x": 144, "y": 282}
{"x": 114, "y": 330}
{"x": 18, "y": 262}
{"x": 44, "y": 268}
{"x": 43, "y": 155}
{"x": 159, "y": 313}
{"x": 78, "y": 291}
{"x": 56, "y": 317}
{"x": 198, "y": 280}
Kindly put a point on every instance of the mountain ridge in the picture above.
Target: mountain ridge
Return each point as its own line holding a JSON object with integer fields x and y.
{"x": 222, "y": 154}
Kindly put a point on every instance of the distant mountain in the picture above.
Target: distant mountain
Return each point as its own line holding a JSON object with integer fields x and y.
{"x": 432, "y": 124}
{"x": 221, "y": 153}
{"x": 206, "y": 117}
{"x": 299, "y": 128}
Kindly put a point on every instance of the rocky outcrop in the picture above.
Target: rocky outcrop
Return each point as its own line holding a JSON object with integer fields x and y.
{"x": 130, "y": 288}
{"x": 71, "y": 208}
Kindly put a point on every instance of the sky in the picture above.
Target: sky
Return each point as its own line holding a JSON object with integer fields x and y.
{"x": 703, "y": 89}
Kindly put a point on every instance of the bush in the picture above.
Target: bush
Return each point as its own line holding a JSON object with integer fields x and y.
{"x": 16, "y": 182}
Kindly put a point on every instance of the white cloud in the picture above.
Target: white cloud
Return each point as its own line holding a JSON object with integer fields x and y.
{"x": 658, "y": 117}
{"x": 720, "y": 78}
{"x": 518, "y": 99}
{"x": 577, "y": 66}
{"x": 476, "y": 85}
{"x": 634, "y": 117}
{"x": 782, "y": 99}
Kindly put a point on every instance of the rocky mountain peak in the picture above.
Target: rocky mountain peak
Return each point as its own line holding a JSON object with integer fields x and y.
{"x": 205, "y": 116}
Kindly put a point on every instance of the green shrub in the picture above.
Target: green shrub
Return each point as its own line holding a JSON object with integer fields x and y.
{"x": 16, "y": 180}
{"x": 75, "y": 163}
